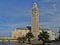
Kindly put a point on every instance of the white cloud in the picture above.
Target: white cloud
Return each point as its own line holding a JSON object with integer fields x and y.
{"x": 54, "y": 6}
{"x": 54, "y": 17}
{"x": 48, "y": 0}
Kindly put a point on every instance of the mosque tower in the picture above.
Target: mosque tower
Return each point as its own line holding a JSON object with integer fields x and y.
{"x": 35, "y": 20}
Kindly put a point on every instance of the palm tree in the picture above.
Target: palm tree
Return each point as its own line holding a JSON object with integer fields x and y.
{"x": 29, "y": 36}
{"x": 19, "y": 39}
{"x": 29, "y": 28}
{"x": 44, "y": 36}
{"x": 24, "y": 39}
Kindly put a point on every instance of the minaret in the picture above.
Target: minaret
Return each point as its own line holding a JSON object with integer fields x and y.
{"x": 35, "y": 20}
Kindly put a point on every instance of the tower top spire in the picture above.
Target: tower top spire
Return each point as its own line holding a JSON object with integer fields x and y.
{"x": 34, "y": 4}
{"x": 34, "y": 0}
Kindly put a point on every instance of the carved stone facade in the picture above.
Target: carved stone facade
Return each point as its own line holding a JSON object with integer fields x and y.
{"x": 22, "y": 32}
{"x": 35, "y": 20}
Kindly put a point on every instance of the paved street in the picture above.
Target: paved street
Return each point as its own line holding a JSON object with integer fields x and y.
{"x": 14, "y": 43}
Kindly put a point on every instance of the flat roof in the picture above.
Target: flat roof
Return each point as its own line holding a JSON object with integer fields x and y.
{"x": 27, "y": 29}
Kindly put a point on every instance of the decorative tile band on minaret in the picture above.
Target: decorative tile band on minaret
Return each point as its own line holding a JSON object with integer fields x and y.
{"x": 35, "y": 20}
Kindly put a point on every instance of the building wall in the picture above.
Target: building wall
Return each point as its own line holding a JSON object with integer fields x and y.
{"x": 20, "y": 33}
{"x": 35, "y": 20}
{"x": 52, "y": 35}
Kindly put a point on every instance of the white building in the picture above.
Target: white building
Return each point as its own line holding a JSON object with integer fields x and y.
{"x": 19, "y": 32}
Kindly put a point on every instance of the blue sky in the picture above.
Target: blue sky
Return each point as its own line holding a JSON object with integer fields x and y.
{"x": 17, "y": 13}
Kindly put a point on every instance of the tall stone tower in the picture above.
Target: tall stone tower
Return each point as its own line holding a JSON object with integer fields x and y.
{"x": 35, "y": 20}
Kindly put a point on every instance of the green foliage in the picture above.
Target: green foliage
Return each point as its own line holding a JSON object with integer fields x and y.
{"x": 29, "y": 36}
{"x": 29, "y": 28}
{"x": 59, "y": 34}
{"x": 21, "y": 39}
{"x": 24, "y": 39}
{"x": 44, "y": 36}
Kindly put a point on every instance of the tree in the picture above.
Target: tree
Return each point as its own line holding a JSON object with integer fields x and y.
{"x": 29, "y": 28}
{"x": 24, "y": 39}
{"x": 21, "y": 39}
{"x": 44, "y": 36}
{"x": 29, "y": 36}
{"x": 59, "y": 33}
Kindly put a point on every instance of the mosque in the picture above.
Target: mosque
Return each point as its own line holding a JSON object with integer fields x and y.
{"x": 19, "y": 32}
